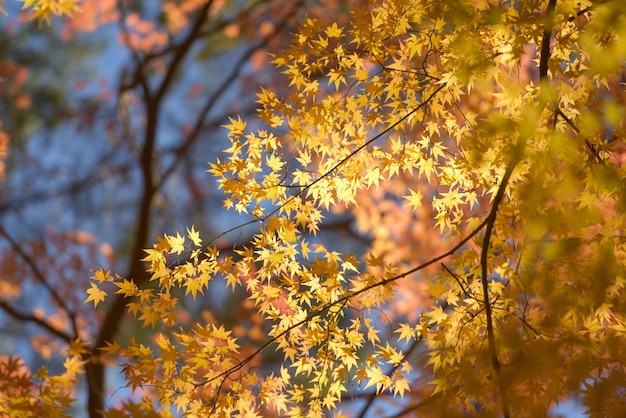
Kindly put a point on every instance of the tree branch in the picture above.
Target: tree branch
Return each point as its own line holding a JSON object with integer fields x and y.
{"x": 152, "y": 102}
{"x": 40, "y": 278}
{"x": 30, "y": 318}
{"x": 490, "y": 221}
{"x": 545, "y": 42}
{"x": 592, "y": 149}
{"x": 219, "y": 92}
{"x": 493, "y": 213}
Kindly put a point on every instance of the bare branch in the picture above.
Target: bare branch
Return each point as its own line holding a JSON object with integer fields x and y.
{"x": 38, "y": 275}
{"x": 33, "y": 319}
{"x": 220, "y": 91}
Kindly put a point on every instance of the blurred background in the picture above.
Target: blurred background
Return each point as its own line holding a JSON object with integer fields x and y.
{"x": 108, "y": 120}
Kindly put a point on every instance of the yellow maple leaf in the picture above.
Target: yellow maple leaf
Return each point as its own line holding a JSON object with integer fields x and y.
{"x": 127, "y": 288}
{"x": 374, "y": 261}
{"x": 74, "y": 365}
{"x": 406, "y": 332}
{"x": 111, "y": 348}
{"x": 194, "y": 286}
{"x": 414, "y": 199}
{"x": 96, "y": 295}
{"x": 400, "y": 385}
{"x": 102, "y": 276}
{"x": 194, "y": 236}
{"x": 333, "y": 31}
{"x": 236, "y": 126}
{"x": 177, "y": 242}
{"x": 43, "y": 9}
{"x": 78, "y": 347}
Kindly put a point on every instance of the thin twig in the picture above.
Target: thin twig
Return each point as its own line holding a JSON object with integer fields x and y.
{"x": 457, "y": 278}
{"x": 31, "y": 318}
{"x": 38, "y": 274}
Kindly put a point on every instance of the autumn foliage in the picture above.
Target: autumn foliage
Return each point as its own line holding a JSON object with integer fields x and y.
{"x": 476, "y": 149}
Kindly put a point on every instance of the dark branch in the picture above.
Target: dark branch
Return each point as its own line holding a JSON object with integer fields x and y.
{"x": 571, "y": 124}
{"x": 39, "y": 275}
{"x": 152, "y": 102}
{"x": 457, "y": 278}
{"x": 490, "y": 221}
{"x": 220, "y": 91}
{"x": 491, "y": 218}
{"x": 545, "y": 42}
{"x": 39, "y": 321}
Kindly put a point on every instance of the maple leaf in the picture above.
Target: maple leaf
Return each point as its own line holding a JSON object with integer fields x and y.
{"x": 236, "y": 127}
{"x": 74, "y": 365}
{"x": 111, "y": 349}
{"x": 406, "y": 332}
{"x": 43, "y": 9}
{"x": 194, "y": 286}
{"x": 127, "y": 288}
{"x": 96, "y": 295}
{"x": 377, "y": 378}
{"x": 177, "y": 243}
{"x": 102, "y": 276}
{"x": 400, "y": 386}
{"x": 375, "y": 261}
{"x": 78, "y": 347}
{"x": 333, "y": 31}
{"x": 194, "y": 236}
{"x": 414, "y": 199}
